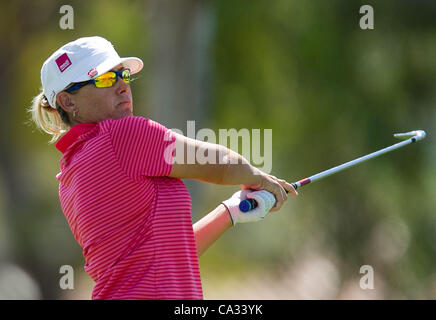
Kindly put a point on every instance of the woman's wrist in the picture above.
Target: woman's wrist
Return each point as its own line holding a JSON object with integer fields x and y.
{"x": 222, "y": 207}
{"x": 211, "y": 227}
{"x": 239, "y": 171}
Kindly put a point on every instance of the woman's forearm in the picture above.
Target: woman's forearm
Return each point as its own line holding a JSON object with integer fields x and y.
{"x": 211, "y": 227}
{"x": 237, "y": 170}
{"x": 212, "y": 163}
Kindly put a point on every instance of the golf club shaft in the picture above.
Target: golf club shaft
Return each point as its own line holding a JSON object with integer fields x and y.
{"x": 349, "y": 164}
{"x": 249, "y": 204}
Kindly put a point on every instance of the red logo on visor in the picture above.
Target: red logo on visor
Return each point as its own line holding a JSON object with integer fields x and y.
{"x": 63, "y": 62}
{"x": 92, "y": 72}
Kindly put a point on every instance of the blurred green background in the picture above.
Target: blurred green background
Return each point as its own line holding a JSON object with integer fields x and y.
{"x": 329, "y": 91}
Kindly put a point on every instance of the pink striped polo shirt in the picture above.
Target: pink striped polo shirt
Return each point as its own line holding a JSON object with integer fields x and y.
{"x": 132, "y": 220}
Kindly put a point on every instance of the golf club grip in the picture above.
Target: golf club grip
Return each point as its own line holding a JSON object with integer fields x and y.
{"x": 250, "y": 204}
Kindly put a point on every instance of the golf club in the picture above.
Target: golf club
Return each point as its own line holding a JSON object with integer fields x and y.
{"x": 408, "y": 137}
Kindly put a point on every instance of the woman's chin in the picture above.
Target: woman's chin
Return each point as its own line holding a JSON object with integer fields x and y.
{"x": 125, "y": 112}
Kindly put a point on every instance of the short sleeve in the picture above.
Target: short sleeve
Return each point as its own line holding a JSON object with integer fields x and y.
{"x": 143, "y": 147}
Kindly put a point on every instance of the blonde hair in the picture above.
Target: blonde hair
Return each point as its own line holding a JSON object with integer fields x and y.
{"x": 52, "y": 121}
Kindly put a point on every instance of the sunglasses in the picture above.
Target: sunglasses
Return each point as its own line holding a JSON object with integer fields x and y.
{"x": 105, "y": 80}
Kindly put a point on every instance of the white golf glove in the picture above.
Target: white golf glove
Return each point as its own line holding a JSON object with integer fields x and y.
{"x": 265, "y": 201}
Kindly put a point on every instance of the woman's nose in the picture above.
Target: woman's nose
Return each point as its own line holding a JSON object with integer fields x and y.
{"x": 122, "y": 87}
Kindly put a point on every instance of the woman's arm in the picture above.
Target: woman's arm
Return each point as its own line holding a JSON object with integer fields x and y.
{"x": 214, "y": 163}
{"x": 211, "y": 227}
{"x": 229, "y": 168}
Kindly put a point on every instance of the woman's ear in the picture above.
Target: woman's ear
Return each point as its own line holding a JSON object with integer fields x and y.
{"x": 66, "y": 101}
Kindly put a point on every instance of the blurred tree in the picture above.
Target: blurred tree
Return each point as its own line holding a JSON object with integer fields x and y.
{"x": 22, "y": 22}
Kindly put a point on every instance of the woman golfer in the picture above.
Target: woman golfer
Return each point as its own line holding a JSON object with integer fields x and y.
{"x": 119, "y": 186}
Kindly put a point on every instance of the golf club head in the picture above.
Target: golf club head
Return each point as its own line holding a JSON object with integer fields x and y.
{"x": 417, "y": 134}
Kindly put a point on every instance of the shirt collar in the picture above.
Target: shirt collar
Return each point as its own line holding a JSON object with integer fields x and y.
{"x": 72, "y": 134}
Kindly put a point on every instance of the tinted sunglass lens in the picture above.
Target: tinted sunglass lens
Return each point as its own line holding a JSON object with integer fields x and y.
{"x": 105, "y": 80}
{"x": 126, "y": 76}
